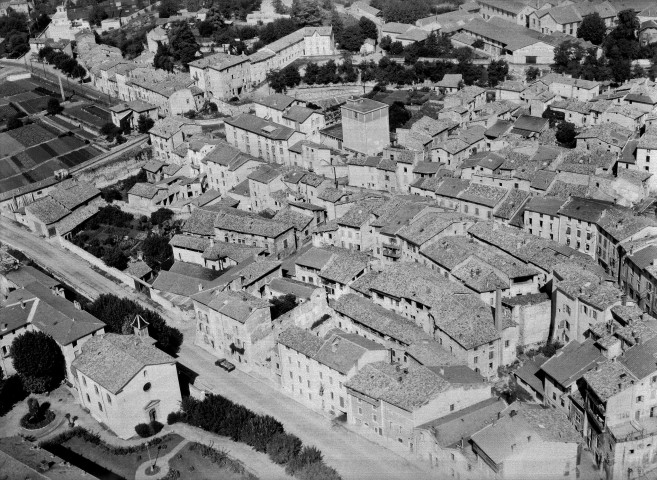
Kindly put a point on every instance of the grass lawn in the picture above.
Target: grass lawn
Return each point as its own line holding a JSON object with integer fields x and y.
{"x": 191, "y": 463}
{"x": 123, "y": 465}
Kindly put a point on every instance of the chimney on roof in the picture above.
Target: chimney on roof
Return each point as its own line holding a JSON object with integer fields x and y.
{"x": 624, "y": 299}
{"x": 212, "y": 242}
{"x": 77, "y": 305}
{"x": 200, "y": 287}
{"x": 140, "y": 255}
{"x": 5, "y": 326}
{"x": 498, "y": 310}
{"x": 23, "y": 304}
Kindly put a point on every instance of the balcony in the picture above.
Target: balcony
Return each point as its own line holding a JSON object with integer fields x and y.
{"x": 391, "y": 253}
{"x": 392, "y": 246}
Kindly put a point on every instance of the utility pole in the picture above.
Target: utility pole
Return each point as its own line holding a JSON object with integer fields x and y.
{"x": 61, "y": 88}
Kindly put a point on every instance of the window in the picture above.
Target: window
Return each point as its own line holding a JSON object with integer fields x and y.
{"x": 100, "y": 406}
{"x": 147, "y": 386}
{"x": 451, "y": 407}
{"x": 491, "y": 355}
{"x": 84, "y": 381}
{"x": 639, "y": 399}
{"x": 476, "y": 359}
{"x": 96, "y": 389}
{"x": 109, "y": 399}
{"x": 506, "y": 344}
{"x": 88, "y": 398}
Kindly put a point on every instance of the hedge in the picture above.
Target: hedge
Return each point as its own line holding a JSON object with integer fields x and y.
{"x": 264, "y": 433}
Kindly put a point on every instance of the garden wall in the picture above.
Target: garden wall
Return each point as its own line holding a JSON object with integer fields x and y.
{"x": 126, "y": 165}
{"x": 319, "y": 92}
{"x": 98, "y": 263}
{"x": 226, "y": 108}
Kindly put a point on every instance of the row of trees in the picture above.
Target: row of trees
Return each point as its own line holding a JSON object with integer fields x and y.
{"x": 63, "y": 62}
{"x": 387, "y": 71}
{"x": 262, "y": 432}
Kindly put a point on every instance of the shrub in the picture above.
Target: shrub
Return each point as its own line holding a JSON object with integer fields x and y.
{"x": 175, "y": 417}
{"x": 317, "y": 471}
{"x": 161, "y": 215}
{"x": 143, "y": 430}
{"x": 283, "y": 447}
{"x": 155, "y": 427}
{"x": 306, "y": 457}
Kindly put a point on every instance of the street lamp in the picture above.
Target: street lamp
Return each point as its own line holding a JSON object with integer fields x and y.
{"x": 159, "y": 447}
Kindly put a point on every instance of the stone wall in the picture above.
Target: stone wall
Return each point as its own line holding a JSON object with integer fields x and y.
{"x": 320, "y": 92}
{"x": 226, "y": 108}
{"x": 128, "y": 164}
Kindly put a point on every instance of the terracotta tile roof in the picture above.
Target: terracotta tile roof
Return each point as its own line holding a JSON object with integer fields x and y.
{"x": 53, "y": 314}
{"x": 113, "y": 360}
{"x": 236, "y": 305}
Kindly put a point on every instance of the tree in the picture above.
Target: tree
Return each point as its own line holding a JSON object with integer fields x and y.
{"x": 156, "y": 250}
{"x": 182, "y": 43}
{"x": 53, "y": 107}
{"x": 291, "y": 76}
{"x": 114, "y": 257}
{"x": 497, "y": 71}
{"x": 568, "y": 58}
{"x": 638, "y": 71}
{"x": 337, "y": 24}
{"x": 592, "y": 29}
{"x": 168, "y": 8}
{"x": 206, "y": 29}
{"x": 307, "y": 13}
{"x": 96, "y": 15}
{"x": 144, "y": 123}
{"x": 118, "y": 312}
{"x": 312, "y": 73}
{"x": 163, "y": 58}
{"x": 396, "y": 48}
{"x": 279, "y": 7}
{"x": 532, "y": 74}
{"x": 161, "y": 215}
{"x": 398, "y": 116}
{"x": 368, "y": 28}
{"x": 39, "y": 361}
{"x": 276, "y": 81}
{"x": 352, "y": 38}
{"x": 282, "y": 304}
{"x": 14, "y": 122}
{"x": 386, "y": 43}
{"x": 566, "y": 134}
{"x": 622, "y": 42}
{"x": 110, "y": 131}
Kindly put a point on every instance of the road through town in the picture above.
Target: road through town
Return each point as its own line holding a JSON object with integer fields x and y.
{"x": 352, "y": 455}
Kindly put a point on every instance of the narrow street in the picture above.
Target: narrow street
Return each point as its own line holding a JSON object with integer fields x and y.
{"x": 352, "y": 455}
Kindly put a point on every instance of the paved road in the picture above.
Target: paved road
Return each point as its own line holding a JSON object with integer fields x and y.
{"x": 352, "y": 455}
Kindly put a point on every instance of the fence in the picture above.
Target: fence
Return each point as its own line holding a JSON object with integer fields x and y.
{"x": 98, "y": 263}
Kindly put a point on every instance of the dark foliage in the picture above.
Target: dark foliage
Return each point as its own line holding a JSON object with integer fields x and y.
{"x": 532, "y": 74}
{"x": 566, "y": 134}
{"x": 161, "y": 215}
{"x": 168, "y": 8}
{"x": 118, "y": 313}
{"x": 283, "y": 448}
{"x": 182, "y": 43}
{"x": 398, "y": 116}
{"x": 368, "y": 28}
{"x": 38, "y": 360}
{"x": 144, "y": 123}
{"x": 38, "y": 416}
{"x": 264, "y": 433}
{"x": 156, "y": 250}
{"x": 14, "y": 122}
{"x": 592, "y": 29}
{"x": 115, "y": 258}
{"x": 145, "y": 430}
{"x": 110, "y": 215}
{"x": 11, "y": 392}
{"x": 53, "y": 107}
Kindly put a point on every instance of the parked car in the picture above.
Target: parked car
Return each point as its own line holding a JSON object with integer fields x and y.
{"x": 225, "y": 364}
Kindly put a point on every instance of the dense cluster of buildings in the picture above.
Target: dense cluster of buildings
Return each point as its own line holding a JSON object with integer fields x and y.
{"x": 466, "y": 248}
